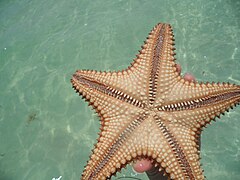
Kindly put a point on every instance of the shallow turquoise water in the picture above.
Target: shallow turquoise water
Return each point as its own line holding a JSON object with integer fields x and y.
{"x": 47, "y": 131}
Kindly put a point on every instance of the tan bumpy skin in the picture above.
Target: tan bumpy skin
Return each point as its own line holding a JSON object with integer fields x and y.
{"x": 149, "y": 111}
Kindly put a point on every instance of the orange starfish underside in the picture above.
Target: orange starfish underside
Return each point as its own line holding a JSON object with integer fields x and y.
{"x": 149, "y": 111}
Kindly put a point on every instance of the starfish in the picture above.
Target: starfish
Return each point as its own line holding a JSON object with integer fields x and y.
{"x": 149, "y": 111}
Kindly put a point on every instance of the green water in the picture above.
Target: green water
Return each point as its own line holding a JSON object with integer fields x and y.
{"x": 47, "y": 131}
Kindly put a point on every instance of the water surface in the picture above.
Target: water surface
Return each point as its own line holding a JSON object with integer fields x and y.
{"x": 47, "y": 131}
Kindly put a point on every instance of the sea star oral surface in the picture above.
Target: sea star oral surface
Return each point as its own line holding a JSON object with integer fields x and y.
{"x": 149, "y": 111}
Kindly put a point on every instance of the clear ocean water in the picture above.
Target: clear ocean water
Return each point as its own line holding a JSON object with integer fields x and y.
{"x": 47, "y": 130}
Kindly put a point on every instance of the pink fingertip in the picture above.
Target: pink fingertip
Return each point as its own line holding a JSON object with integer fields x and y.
{"x": 179, "y": 68}
{"x": 142, "y": 165}
{"x": 189, "y": 77}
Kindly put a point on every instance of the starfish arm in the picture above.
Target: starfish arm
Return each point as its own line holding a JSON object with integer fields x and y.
{"x": 195, "y": 105}
{"x": 177, "y": 149}
{"x": 103, "y": 88}
{"x": 117, "y": 145}
{"x": 183, "y": 161}
{"x": 126, "y": 86}
{"x": 156, "y": 60}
